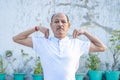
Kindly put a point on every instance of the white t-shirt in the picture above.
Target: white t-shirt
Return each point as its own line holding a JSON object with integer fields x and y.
{"x": 59, "y": 58}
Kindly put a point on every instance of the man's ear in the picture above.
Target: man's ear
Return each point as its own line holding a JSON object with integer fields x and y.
{"x": 69, "y": 25}
{"x": 50, "y": 24}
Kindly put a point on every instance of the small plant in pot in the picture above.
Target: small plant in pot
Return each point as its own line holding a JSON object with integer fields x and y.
{"x": 93, "y": 64}
{"x": 79, "y": 76}
{"x": 23, "y": 68}
{"x": 38, "y": 73}
{"x": 113, "y": 73}
{"x": 9, "y": 59}
{"x": 2, "y": 68}
{"x": 4, "y": 65}
{"x": 81, "y": 70}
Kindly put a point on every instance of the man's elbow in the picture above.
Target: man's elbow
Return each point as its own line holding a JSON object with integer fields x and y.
{"x": 14, "y": 39}
{"x": 102, "y": 49}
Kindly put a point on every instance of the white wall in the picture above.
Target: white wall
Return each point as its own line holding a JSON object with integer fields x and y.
{"x": 99, "y": 17}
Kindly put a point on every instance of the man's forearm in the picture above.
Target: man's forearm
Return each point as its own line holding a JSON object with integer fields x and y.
{"x": 23, "y": 35}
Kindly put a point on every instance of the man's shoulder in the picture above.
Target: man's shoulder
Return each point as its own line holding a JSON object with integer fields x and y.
{"x": 36, "y": 38}
{"x": 75, "y": 39}
{"x": 78, "y": 41}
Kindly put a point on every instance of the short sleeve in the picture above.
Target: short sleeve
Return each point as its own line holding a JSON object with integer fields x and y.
{"x": 36, "y": 44}
{"x": 84, "y": 47}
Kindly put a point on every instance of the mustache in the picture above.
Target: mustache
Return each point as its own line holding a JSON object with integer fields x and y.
{"x": 60, "y": 27}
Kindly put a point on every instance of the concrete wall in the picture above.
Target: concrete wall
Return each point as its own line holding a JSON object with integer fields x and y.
{"x": 99, "y": 17}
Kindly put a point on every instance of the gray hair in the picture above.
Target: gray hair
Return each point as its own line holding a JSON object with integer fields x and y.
{"x": 55, "y": 14}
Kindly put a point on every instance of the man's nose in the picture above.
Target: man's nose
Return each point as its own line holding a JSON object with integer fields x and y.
{"x": 60, "y": 23}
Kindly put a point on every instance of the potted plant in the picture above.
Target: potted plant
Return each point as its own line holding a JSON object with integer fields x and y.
{"x": 22, "y": 69}
{"x": 81, "y": 71}
{"x": 79, "y": 76}
{"x": 93, "y": 64}
{"x": 2, "y": 64}
{"x": 114, "y": 48}
{"x": 2, "y": 68}
{"x": 38, "y": 74}
{"x": 10, "y": 60}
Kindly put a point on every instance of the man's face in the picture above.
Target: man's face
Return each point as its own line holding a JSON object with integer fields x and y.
{"x": 60, "y": 25}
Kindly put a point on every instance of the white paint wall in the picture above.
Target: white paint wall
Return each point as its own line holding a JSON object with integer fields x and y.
{"x": 99, "y": 17}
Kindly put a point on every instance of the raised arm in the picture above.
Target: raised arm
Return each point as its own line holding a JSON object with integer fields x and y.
{"x": 25, "y": 39}
{"x": 96, "y": 44}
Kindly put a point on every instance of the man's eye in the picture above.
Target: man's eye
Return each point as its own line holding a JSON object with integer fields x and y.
{"x": 56, "y": 21}
{"x": 64, "y": 22}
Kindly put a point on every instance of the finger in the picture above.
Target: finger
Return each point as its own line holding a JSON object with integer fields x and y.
{"x": 47, "y": 34}
{"x": 73, "y": 34}
{"x": 76, "y": 34}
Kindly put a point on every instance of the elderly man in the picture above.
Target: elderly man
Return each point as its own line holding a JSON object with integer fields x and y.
{"x": 59, "y": 54}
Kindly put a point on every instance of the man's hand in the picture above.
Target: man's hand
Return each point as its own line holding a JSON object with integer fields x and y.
{"x": 76, "y": 33}
{"x": 44, "y": 30}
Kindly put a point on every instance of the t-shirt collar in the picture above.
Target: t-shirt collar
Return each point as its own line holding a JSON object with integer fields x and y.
{"x": 61, "y": 40}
